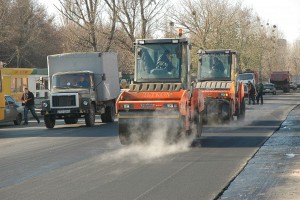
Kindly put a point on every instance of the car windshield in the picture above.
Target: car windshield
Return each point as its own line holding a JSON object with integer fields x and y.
{"x": 71, "y": 81}
{"x": 159, "y": 62}
{"x": 268, "y": 86}
{"x": 215, "y": 66}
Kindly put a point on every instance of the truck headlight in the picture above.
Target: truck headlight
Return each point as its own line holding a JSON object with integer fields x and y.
{"x": 128, "y": 106}
{"x": 45, "y": 105}
{"x": 223, "y": 94}
{"x": 85, "y": 103}
{"x": 171, "y": 105}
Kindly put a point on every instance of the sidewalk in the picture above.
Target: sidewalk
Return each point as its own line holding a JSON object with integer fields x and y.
{"x": 274, "y": 172}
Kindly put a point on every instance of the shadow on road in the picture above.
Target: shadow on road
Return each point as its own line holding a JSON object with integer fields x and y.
{"x": 230, "y": 142}
{"x": 76, "y": 130}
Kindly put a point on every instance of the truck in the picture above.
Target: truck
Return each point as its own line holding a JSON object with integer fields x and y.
{"x": 248, "y": 75}
{"x": 223, "y": 93}
{"x": 82, "y": 85}
{"x": 281, "y": 80}
{"x": 161, "y": 97}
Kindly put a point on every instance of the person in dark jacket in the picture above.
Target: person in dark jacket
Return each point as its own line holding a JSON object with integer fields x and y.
{"x": 28, "y": 103}
{"x": 163, "y": 62}
{"x": 252, "y": 92}
{"x": 82, "y": 82}
{"x": 260, "y": 92}
{"x": 217, "y": 69}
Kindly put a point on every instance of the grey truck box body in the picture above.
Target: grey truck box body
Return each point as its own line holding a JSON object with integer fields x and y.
{"x": 98, "y": 63}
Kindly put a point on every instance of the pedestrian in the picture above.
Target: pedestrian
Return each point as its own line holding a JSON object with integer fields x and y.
{"x": 28, "y": 103}
{"x": 260, "y": 91}
{"x": 252, "y": 93}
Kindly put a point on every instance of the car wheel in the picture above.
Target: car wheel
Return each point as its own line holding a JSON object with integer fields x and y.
{"x": 18, "y": 119}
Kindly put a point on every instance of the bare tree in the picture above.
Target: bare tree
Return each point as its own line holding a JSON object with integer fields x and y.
{"x": 216, "y": 24}
{"x": 24, "y": 29}
{"x": 28, "y": 35}
{"x": 4, "y": 19}
{"x": 295, "y": 59}
{"x": 138, "y": 18}
{"x": 84, "y": 14}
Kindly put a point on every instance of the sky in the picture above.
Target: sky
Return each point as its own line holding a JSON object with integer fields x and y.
{"x": 285, "y": 14}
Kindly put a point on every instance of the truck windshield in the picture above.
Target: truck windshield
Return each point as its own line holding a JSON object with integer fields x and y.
{"x": 155, "y": 62}
{"x": 245, "y": 77}
{"x": 71, "y": 81}
{"x": 215, "y": 66}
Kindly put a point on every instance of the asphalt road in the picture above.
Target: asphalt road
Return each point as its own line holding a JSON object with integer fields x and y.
{"x": 76, "y": 162}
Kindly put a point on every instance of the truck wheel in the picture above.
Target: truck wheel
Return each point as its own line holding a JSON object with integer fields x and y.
{"x": 124, "y": 134}
{"x": 124, "y": 140}
{"x": 178, "y": 132}
{"x": 18, "y": 119}
{"x": 49, "y": 121}
{"x": 199, "y": 125}
{"x": 90, "y": 117}
{"x": 103, "y": 117}
{"x": 110, "y": 113}
{"x": 241, "y": 115}
{"x": 71, "y": 120}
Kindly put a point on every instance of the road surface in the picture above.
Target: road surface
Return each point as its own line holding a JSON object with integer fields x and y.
{"x": 76, "y": 162}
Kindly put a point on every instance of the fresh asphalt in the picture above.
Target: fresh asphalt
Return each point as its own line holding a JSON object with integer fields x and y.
{"x": 274, "y": 172}
{"x": 76, "y": 162}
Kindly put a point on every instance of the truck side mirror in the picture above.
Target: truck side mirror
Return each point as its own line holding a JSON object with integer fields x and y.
{"x": 229, "y": 58}
{"x": 41, "y": 80}
{"x": 140, "y": 52}
{"x": 103, "y": 77}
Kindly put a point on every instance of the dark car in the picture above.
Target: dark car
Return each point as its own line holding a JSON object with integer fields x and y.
{"x": 12, "y": 111}
{"x": 293, "y": 85}
{"x": 269, "y": 88}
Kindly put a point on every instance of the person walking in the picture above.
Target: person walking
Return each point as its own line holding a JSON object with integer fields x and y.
{"x": 260, "y": 91}
{"x": 252, "y": 92}
{"x": 28, "y": 103}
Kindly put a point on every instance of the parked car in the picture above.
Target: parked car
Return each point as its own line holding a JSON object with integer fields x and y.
{"x": 12, "y": 111}
{"x": 269, "y": 88}
{"x": 293, "y": 85}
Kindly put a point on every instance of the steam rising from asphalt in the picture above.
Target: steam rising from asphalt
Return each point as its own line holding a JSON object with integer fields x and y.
{"x": 155, "y": 147}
